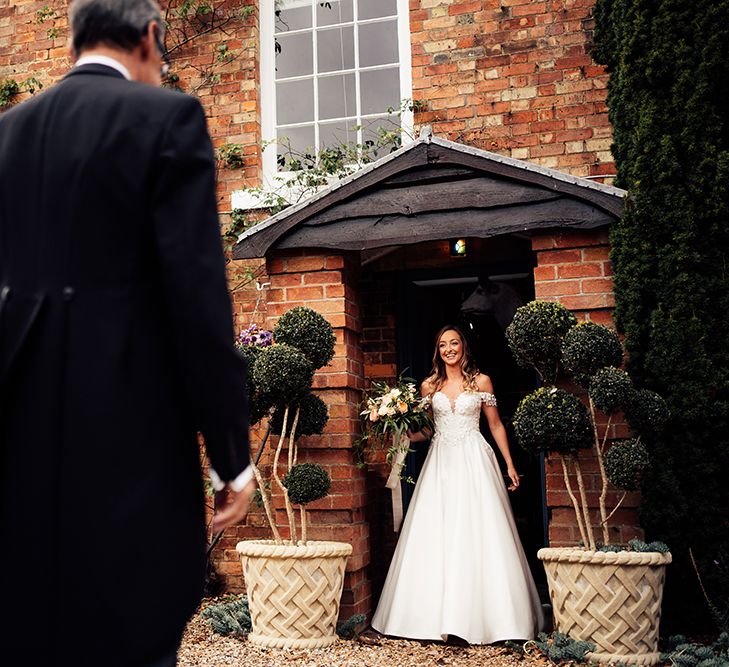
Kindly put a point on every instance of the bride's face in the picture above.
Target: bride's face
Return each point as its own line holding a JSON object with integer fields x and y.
{"x": 450, "y": 348}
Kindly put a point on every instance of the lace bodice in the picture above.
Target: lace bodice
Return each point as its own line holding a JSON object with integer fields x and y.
{"x": 460, "y": 415}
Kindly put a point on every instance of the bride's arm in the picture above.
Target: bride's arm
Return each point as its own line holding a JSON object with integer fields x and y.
{"x": 426, "y": 433}
{"x": 497, "y": 429}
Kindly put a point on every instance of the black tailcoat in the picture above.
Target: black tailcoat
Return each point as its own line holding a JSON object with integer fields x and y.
{"x": 115, "y": 350}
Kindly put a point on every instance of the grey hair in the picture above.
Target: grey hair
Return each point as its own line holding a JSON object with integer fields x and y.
{"x": 119, "y": 23}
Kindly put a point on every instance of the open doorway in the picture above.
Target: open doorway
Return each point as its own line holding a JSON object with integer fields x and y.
{"x": 481, "y": 300}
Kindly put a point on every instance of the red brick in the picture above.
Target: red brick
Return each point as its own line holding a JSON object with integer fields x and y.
{"x": 596, "y": 285}
{"x": 559, "y": 257}
{"x": 579, "y": 270}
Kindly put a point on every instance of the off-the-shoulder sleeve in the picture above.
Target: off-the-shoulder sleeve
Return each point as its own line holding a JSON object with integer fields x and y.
{"x": 488, "y": 398}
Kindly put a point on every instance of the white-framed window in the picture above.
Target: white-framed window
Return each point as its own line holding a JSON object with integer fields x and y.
{"x": 330, "y": 71}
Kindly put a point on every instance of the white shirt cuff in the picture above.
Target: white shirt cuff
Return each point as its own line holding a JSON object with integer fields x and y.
{"x": 236, "y": 485}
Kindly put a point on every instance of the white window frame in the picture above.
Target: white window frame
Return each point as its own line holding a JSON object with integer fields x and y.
{"x": 267, "y": 100}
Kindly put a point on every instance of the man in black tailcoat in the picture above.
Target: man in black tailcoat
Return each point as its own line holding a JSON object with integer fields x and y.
{"x": 115, "y": 350}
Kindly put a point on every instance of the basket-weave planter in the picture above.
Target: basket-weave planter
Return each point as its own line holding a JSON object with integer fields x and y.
{"x": 610, "y": 599}
{"x": 293, "y": 591}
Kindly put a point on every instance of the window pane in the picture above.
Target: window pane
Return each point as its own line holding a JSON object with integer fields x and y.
{"x": 380, "y": 89}
{"x": 295, "y": 101}
{"x": 370, "y": 9}
{"x": 378, "y": 43}
{"x": 295, "y": 56}
{"x": 294, "y": 15}
{"x": 331, "y": 13}
{"x": 298, "y": 139}
{"x": 335, "y": 49}
{"x": 372, "y": 130}
{"x": 337, "y": 133}
{"x": 337, "y": 96}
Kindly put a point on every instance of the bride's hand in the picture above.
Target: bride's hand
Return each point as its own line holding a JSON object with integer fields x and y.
{"x": 514, "y": 477}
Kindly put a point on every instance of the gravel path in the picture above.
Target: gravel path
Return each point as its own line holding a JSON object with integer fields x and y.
{"x": 202, "y": 647}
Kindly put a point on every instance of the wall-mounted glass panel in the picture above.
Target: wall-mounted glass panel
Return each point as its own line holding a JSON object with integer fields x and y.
{"x": 378, "y": 43}
{"x": 331, "y": 13}
{"x": 337, "y": 96}
{"x": 294, "y": 101}
{"x": 296, "y": 55}
{"x": 335, "y": 49}
{"x": 379, "y": 90}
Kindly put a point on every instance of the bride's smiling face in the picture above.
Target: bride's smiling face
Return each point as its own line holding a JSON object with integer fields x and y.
{"x": 450, "y": 348}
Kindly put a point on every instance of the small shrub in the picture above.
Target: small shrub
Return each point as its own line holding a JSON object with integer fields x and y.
{"x": 306, "y": 482}
{"x": 588, "y": 347}
{"x": 348, "y": 629}
{"x": 625, "y": 463}
{"x": 308, "y": 331}
{"x": 535, "y": 336}
{"x": 610, "y": 389}
{"x": 231, "y": 617}
{"x": 559, "y": 647}
{"x": 281, "y": 374}
{"x": 313, "y": 417}
{"x": 646, "y": 412}
{"x": 681, "y": 653}
{"x": 552, "y": 420}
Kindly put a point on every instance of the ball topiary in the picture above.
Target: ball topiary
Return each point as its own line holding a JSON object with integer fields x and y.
{"x": 281, "y": 374}
{"x": 552, "y": 420}
{"x": 625, "y": 463}
{"x": 306, "y": 482}
{"x": 610, "y": 389}
{"x": 312, "y": 418}
{"x": 309, "y": 332}
{"x": 535, "y": 336}
{"x": 588, "y": 347}
{"x": 646, "y": 412}
{"x": 257, "y": 407}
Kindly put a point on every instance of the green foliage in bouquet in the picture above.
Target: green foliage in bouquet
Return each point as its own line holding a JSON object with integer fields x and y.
{"x": 388, "y": 412}
{"x": 306, "y": 330}
{"x": 611, "y": 389}
{"x": 625, "y": 463}
{"x": 535, "y": 335}
{"x": 555, "y": 421}
{"x": 281, "y": 374}
{"x": 307, "y": 482}
{"x": 552, "y": 420}
{"x": 587, "y": 348}
{"x": 313, "y": 416}
{"x": 230, "y": 617}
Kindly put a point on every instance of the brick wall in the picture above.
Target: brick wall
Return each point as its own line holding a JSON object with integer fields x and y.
{"x": 513, "y": 77}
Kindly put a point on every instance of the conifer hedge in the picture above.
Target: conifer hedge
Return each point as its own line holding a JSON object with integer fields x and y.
{"x": 668, "y": 100}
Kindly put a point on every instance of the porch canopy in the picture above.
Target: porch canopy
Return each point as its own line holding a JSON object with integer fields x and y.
{"x": 435, "y": 189}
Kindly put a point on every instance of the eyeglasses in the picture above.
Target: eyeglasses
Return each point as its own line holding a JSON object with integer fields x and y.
{"x": 164, "y": 70}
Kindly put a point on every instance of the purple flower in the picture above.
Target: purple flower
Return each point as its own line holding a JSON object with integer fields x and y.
{"x": 255, "y": 336}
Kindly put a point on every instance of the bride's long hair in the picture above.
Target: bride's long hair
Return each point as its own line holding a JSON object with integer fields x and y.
{"x": 469, "y": 371}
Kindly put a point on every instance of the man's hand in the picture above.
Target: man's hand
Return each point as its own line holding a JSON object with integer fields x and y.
{"x": 230, "y": 507}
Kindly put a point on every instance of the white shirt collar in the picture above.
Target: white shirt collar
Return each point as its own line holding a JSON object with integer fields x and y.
{"x": 97, "y": 59}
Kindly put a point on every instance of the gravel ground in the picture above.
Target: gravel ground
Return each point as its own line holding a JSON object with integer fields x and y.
{"x": 202, "y": 647}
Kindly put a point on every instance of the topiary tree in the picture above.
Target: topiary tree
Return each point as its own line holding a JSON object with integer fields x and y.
{"x": 556, "y": 421}
{"x": 535, "y": 335}
{"x": 305, "y": 483}
{"x": 280, "y": 381}
{"x": 308, "y": 331}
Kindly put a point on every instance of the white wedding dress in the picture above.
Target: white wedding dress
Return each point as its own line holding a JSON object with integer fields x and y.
{"x": 459, "y": 567}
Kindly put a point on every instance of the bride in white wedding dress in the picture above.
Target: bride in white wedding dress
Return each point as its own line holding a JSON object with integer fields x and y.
{"x": 459, "y": 569}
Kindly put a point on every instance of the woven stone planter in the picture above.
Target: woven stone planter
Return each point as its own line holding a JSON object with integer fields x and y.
{"x": 293, "y": 591}
{"x": 610, "y": 599}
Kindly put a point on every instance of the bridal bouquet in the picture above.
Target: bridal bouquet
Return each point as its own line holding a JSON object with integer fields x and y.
{"x": 390, "y": 411}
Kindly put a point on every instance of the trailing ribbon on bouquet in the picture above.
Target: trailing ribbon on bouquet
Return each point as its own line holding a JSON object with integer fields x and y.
{"x": 401, "y": 446}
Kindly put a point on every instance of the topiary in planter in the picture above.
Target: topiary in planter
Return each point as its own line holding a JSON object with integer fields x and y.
{"x": 313, "y": 416}
{"x": 308, "y": 331}
{"x": 611, "y": 389}
{"x": 257, "y": 407}
{"x": 535, "y": 335}
{"x": 588, "y": 347}
{"x": 281, "y": 374}
{"x": 552, "y": 420}
{"x": 625, "y": 463}
{"x": 307, "y": 482}
{"x": 646, "y": 411}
